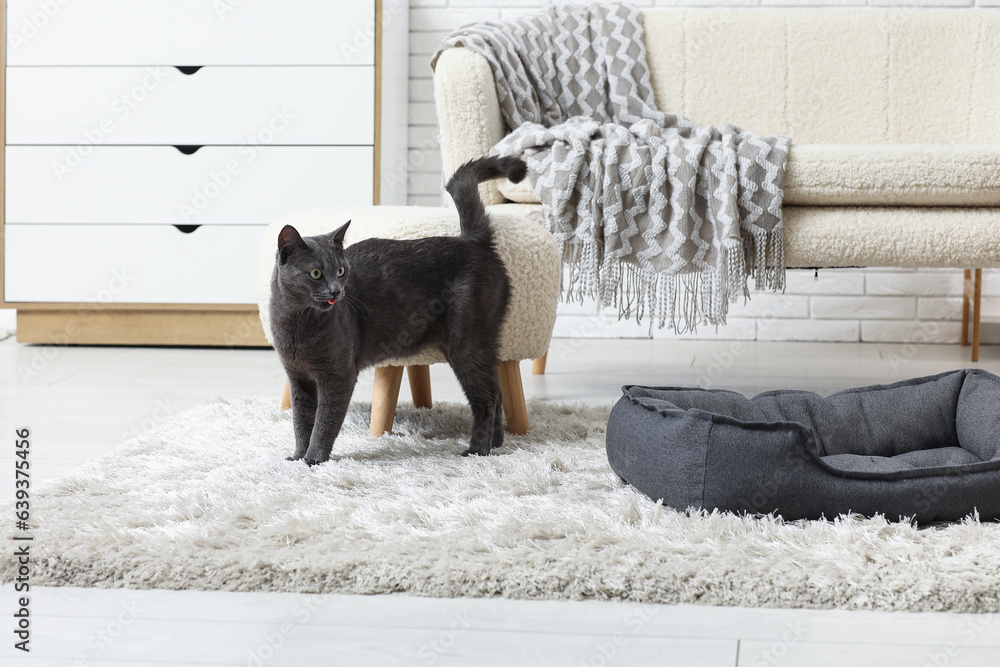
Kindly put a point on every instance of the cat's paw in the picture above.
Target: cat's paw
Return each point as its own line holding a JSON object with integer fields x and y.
{"x": 313, "y": 462}
{"x": 477, "y": 452}
{"x": 293, "y": 458}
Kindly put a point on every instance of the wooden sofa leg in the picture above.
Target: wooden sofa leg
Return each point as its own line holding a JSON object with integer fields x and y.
{"x": 538, "y": 365}
{"x": 966, "y": 294}
{"x": 513, "y": 397}
{"x": 977, "y": 299}
{"x": 385, "y": 395}
{"x": 286, "y": 398}
{"x": 420, "y": 385}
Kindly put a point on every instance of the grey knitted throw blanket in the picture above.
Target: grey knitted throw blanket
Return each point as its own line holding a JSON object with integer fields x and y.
{"x": 655, "y": 215}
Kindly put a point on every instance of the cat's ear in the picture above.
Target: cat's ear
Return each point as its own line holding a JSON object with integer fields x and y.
{"x": 338, "y": 235}
{"x": 288, "y": 240}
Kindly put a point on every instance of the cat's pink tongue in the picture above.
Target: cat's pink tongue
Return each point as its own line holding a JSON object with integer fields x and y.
{"x": 332, "y": 301}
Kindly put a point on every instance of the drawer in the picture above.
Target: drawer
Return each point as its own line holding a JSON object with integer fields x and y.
{"x": 192, "y": 32}
{"x": 160, "y": 184}
{"x": 214, "y": 105}
{"x": 130, "y": 264}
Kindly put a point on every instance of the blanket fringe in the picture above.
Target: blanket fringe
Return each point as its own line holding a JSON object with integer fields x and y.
{"x": 767, "y": 250}
{"x": 680, "y": 302}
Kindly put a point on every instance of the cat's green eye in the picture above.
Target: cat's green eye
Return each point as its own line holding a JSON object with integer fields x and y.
{"x": 340, "y": 272}
{"x": 315, "y": 274}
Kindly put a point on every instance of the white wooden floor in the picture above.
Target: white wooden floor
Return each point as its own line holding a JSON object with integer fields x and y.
{"x": 82, "y": 402}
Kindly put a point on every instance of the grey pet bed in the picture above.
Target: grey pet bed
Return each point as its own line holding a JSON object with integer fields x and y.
{"x": 927, "y": 448}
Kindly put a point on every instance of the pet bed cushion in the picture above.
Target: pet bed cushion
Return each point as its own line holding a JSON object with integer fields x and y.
{"x": 926, "y": 448}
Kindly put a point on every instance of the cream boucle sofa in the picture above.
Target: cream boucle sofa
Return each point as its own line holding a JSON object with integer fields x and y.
{"x": 894, "y": 116}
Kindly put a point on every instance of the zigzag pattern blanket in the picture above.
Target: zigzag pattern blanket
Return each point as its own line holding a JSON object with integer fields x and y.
{"x": 656, "y": 215}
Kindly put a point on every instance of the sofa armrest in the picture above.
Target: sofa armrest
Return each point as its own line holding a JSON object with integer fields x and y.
{"x": 468, "y": 112}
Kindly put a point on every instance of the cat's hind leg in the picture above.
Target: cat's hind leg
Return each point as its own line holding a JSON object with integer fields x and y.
{"x": 478, "y": 376}
{"x": 498, "y": 422}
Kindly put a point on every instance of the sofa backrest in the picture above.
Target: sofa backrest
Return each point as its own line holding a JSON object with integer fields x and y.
{"x": 841, "y": 76}
{"x": 823, "y": 76}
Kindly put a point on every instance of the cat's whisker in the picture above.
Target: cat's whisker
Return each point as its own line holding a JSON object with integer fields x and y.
{"x": 350, "y": 304}
{"x": 360, "y": 309}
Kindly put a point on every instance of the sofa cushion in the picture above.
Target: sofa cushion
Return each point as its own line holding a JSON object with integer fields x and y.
{"x": 830, "y": 75}
{"x": 893, "y": 175}
{"x": 875, "y": 175}
{"x": 898, "y": 236}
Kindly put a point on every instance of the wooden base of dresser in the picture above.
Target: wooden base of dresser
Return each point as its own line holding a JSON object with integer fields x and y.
{"x": 227, "y": 328}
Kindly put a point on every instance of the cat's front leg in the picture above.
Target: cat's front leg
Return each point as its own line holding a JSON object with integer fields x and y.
{"x": 334, "y": 399}
{"x": 303, "y": 394}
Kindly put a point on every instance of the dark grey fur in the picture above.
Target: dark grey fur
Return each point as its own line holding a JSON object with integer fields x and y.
{"x": 392, "y": 299}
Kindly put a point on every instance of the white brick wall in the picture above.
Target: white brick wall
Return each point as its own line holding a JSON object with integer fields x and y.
{"x": 878, "y": 305}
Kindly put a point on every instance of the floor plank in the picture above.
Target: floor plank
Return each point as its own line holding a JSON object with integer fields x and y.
{"x": 566, "y": 617}
{"x": 129, "y": 637}
{"x": 809, "y": 654}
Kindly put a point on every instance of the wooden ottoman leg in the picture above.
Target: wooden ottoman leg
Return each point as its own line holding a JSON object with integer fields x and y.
{"x": 538, "y": 365}
{"x": 286, "y": 399}
{"x": 966, "y": 293}
{"x": 513, "y": 397}
{"x": 977, "y": 299}
{"x": 420, "y": 385}
{"x": 385, "y": 395}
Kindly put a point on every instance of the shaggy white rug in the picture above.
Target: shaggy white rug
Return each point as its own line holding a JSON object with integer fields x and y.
{"x": 208, "y": 502}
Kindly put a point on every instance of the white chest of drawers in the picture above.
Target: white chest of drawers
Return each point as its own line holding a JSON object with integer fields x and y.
{"x": 148, "y": 143}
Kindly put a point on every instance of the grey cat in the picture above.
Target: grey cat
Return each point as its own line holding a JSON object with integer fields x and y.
{"x": 336, "y": 311}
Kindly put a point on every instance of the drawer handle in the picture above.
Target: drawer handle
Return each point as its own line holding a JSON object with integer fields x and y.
{"x": 187, "y": 229}
{"x": 188, "y": 69}
{"x": 187, "y": 149}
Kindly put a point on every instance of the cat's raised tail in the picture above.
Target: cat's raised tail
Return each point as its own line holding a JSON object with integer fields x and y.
{"x": 463, "y": 187}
